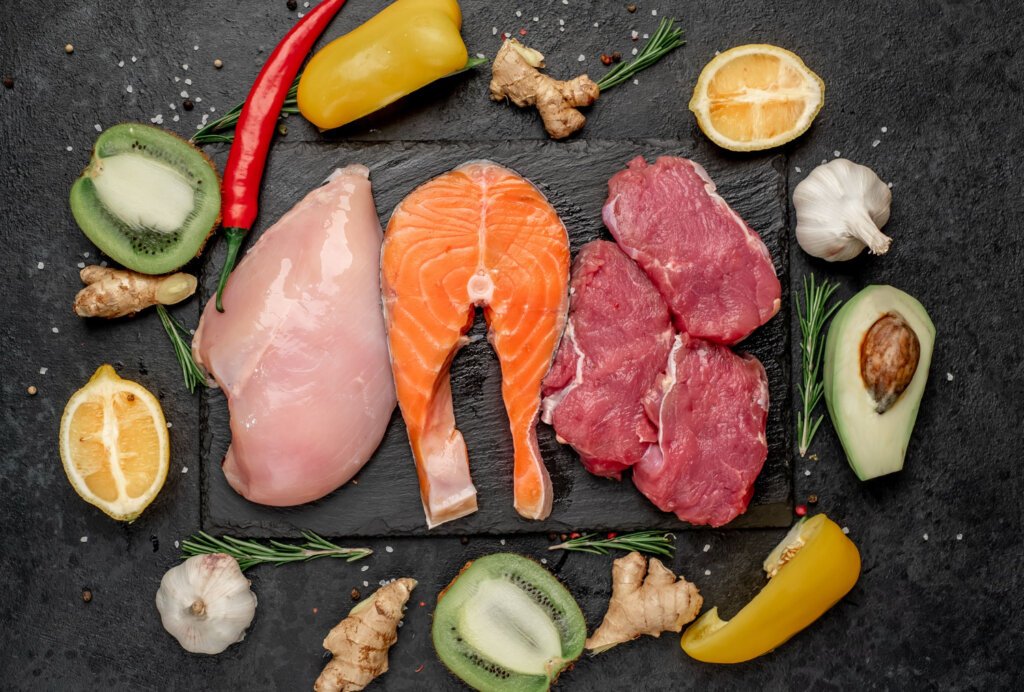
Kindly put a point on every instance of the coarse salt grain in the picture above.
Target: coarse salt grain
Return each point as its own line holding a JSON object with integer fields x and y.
{"x": 70, "y": 148}
{"x": 185, "y": 67}
{"x": 494, "y": 31}
{"x": 55, "y": 330}
{"x": 300, "y": 15}
{"x": 634, "y": 34}
{"x": 797, "y": 169}
{"x": 212, "y": 109}
{"x": 884, "y": 130}
{"x": 388, "y": 549}
{"x": 195, "y": 47}
{"x": 184, "y": 94}
{"x": 184, "y": 469}
{"x": 924, "y": 536}
{"x": 707, "y": 547}
{"x": 889, "y": 185}
{"x": 42, "y": 371}
{"x": 707, "y": 573}
{"x": 199, "y": 99}
{"x": 364, "y": 568}
{"x": 561, "y": 28}
{"x": 169, "y": 424}
{"x": 85, "y": 254}
{"x": 502, "y": 541}
{"x": 97, "y": 127}
{"x": 83, "y": 539}
{"x": 176, "y": 544}
{"x": 543, "y": 561}
{"x": 807, "y": 472}
{"x": 176, "y": 117}
{"x": 836, "y": 153}
{"x": 134, "y": 59}
{"x": 565, "y": 2}
{"x": 39, "y": 265}
{"x": 120, "y": 63}
{"x": 634, "y": 51}
{"x": 596, "y": 25}
{"x": 636, "y": 81}
{"x": 81, "y": 265}
{"x": 157, "y": 119}
{"x": 959, "y": 536}
{"x": 846, "y": 529}
{"x": 582, "y": 57}
{"x": 536, "y": 19}
{"x": 189, "y": 82}
{"x": 128, "y": 88}
{"x": 365, "y": 583}
{"x": 949, "y": 377}
{"x": 519, "y": 13}
{"x": 876, "y": 143}
{"x": 177, "y": 79}
{"x": 480, "y": 55}
{"x": 561, "y": 22}
{"x": 647, "y": 35}
{"x": 654, "y": 13}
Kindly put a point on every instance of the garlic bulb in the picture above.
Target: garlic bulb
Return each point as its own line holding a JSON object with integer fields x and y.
{"x": 205, "y": 603}
{"x": 840, "y": 208}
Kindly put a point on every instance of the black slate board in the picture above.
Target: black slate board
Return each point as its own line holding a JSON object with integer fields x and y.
{"x": 385, "y": 498}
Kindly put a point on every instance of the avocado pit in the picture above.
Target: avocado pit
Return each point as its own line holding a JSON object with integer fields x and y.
{"x": 889, "y": 355}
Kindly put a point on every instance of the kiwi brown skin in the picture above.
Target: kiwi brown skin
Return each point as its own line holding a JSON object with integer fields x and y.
{"x": 567, "y": 664}
{"x": 108, "y": 240}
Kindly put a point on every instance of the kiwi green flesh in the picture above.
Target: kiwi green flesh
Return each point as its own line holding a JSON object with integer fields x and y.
{"x": 506, "y": 623}
{"x": 148, "y": 199}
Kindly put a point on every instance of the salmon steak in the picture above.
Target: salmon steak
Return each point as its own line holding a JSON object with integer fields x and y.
{"x": 478, "y": 236}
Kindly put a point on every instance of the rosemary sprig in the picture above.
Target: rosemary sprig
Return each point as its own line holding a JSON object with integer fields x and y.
{"x": 813, "y": 314}
{"x": 666, "y": 39}
{"x": 251, "y": 553}
{"x": 651, "y": 542}
{"x": 180, "y": 338}
{"x": 221, "y": 130}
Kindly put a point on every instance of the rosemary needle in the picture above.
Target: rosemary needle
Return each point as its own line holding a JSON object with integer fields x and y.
{"x": 812, "y": 315}
{"x": 180, "y": 338}
{"x": 651, "y": 542}
{"x": 666, "y": 39}
{"x": 250, "y": 553}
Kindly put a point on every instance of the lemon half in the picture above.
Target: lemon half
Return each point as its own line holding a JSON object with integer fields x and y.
{"x": 756, "y": 97}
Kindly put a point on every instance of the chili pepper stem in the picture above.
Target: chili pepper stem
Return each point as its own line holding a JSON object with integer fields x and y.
{"x": 234, "y": 236}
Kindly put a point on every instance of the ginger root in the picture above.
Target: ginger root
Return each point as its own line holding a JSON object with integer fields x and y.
{"x": 361, "y": 641}
{"x": 515, "y": 75}
{"x": 118, "y": 292}
{"x": 638, "y": 606}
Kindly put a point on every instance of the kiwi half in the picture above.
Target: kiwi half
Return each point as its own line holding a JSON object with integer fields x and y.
{"x": 148, "y": 198}
{"x": 505, "y": 623}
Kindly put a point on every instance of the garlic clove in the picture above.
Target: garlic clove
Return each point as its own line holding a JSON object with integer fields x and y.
{"x": 840, "y": 208}
{"x": 206, "y": 603}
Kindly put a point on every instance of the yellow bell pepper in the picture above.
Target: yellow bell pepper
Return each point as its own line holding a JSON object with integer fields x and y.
{"x": 406, "y": 46}
{"x": 813, "y": 567}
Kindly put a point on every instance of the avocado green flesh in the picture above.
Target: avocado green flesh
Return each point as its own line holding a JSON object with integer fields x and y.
{"x": 506, "y": 623}
{"x": 875, "y": 443}
{"x": 148, "y": 199}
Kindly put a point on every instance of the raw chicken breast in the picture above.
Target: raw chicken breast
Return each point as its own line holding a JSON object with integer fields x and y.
{"x": 300, "y": 349}
{"x": 711, "y": 408}
{"x": 713, "y": 271}
{"x": 480, "y": 235}
{"x": 615, "y": 346}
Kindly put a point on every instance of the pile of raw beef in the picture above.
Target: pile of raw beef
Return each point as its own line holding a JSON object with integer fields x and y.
{"x": 645, "y": 378}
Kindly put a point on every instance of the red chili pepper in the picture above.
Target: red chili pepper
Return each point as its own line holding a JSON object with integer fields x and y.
{"x": 240, "y": 188}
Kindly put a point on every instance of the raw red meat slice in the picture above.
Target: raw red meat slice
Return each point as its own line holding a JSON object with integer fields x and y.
{"x": 713, "y": 271}
{"x": 711, "y": 408}
{"x": 615, "y": 345}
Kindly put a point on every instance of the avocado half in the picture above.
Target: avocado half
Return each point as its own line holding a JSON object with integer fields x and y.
{"x": 875, "y": 443}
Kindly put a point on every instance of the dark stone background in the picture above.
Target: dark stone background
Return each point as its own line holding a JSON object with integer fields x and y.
{"x": 939, "y": 604}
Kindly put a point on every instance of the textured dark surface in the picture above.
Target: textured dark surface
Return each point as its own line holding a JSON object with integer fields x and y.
{"x": 386, "y": 500}
{"x": 940, "y": 603}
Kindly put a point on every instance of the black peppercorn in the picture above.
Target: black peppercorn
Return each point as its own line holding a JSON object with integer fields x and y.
{"x": 86, "y": 595}
{"x": 631, "y": 8}
{"x": 292, "y": 4}
{"x": 187, "y": 104}
{"x": 9, "y": 81}
{"x": 616, "y": 56}
{"x": 464, "y": 540}
{"x": 355, "y": 594}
